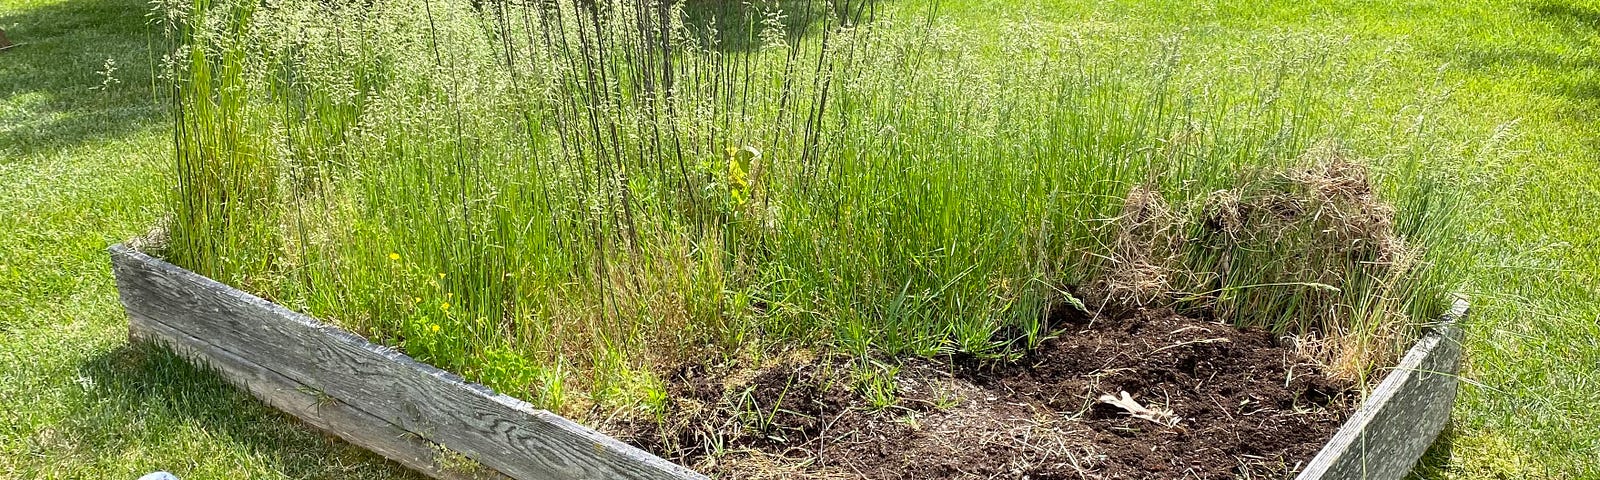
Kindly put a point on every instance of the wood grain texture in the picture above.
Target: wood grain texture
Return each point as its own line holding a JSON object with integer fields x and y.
{"x": 306, "y": 405}
{"x": 500, "y": 432}
{"x": 1397, "y": 423}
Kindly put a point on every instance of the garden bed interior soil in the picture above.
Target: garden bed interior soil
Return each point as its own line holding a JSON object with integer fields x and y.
{"x": 1230, "y": 403}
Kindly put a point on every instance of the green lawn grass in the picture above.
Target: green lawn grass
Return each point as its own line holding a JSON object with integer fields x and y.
{"x": 78, "y": 166}
{"x": 1517, "y": 83}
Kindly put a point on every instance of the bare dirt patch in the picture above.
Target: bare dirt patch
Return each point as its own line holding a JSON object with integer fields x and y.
{"x": 1212, "y": 401}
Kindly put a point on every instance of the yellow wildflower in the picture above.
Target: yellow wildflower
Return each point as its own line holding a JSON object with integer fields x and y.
{"x": 444, "y": 306}
{"x": 394, "y": 256}
{"x": 434, "y": 327}
{"x": 441, "y": 276}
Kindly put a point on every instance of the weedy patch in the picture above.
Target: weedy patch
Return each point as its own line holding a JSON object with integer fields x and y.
{"x": 578, "y": 201}
{"x": 1340, "y": 264}
{"x": 1146, "y": 253}
{"x": 1309, "y": 250}
{"x": 457, "y": 464}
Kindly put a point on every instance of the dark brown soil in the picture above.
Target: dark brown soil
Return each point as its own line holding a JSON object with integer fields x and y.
{"x": 1245, "y": 407}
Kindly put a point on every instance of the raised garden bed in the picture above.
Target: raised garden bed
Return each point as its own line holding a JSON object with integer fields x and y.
{"x": 427, "y": 419}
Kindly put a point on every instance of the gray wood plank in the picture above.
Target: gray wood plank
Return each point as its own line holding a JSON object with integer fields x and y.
{"x": 396, "y": 406}
{"x": 1397, "y": 423}
{"x": 500, "y": 432}
{"x": 305, "y": 404}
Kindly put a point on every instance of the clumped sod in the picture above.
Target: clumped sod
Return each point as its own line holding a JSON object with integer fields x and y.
{"x": 565, "y": 200}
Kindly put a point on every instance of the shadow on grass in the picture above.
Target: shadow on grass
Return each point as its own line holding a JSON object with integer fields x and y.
{"x": 1581, "y": 24}
{"x": 1437, "y": 458}
{"x": 1584, "y": 16}
{"x": 58, "y": 90}
{"x": 80, "y": 73}
{"x": 151, "y": 395}
{"x": 736, "y": 26}
{"x": 1570, "y": 74}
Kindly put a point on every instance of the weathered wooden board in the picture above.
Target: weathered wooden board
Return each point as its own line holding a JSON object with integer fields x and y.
{"x": 272, "y": 351}
{"x": 378, "y": 398}
{"x": 305, "y": 404}
{"x": 1397, "y": 423}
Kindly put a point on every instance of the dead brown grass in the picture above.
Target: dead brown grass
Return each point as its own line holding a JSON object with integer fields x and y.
{"x": 1309, "y": 250}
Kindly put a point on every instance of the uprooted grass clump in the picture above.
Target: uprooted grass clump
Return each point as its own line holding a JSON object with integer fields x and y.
{"x": 1310, "y": 251}
{"x": 562, "y": 199}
